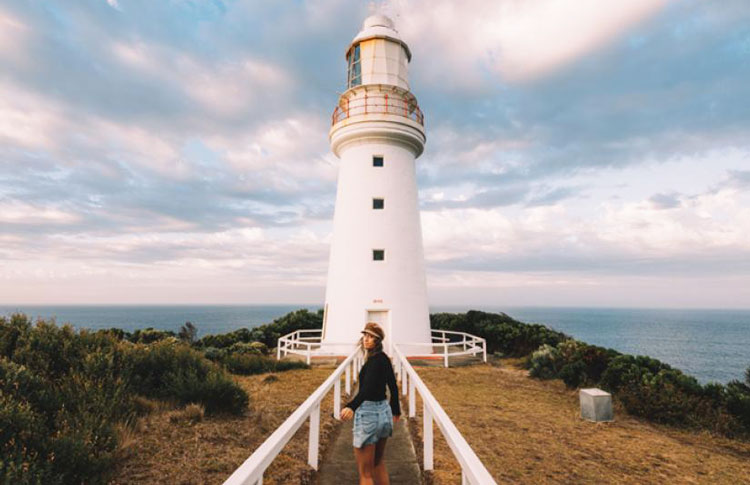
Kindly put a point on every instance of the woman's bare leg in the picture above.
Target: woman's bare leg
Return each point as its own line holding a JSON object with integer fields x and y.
{"x": 380, "y": 472}
{"x": 365, "y": 464}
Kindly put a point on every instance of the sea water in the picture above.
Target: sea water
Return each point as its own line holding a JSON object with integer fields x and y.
{"x": 712, "y": 345}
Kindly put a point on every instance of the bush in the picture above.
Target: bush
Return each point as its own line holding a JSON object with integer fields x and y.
{"x": 173, "y": 371}
{"x": 188, "y": 333}
{"x": 148, "y": 335}
{"x": 544, "y": 363}
{"x": 267, "y": 334}
{"x": 61, "y": 428}
{"x": 503, "y": 333}
{"x": 213, "y": 354}
{"x": 256, "y": 348}
{"x": 738, "y": 400}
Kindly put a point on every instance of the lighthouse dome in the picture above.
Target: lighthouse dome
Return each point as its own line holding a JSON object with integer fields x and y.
{"x": 378, "y": 21}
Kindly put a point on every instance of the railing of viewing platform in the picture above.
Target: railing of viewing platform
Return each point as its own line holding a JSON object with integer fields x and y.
{"x": 251, "y": 471}
{"x": 380, "y": 104}
{"x": 472, "y": 470}
{"x": 447, "y": 343}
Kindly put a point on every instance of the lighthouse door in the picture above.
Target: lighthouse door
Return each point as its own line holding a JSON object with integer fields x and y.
{"x": 381, "y": 318}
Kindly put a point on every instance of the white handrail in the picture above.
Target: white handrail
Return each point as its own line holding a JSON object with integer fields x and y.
{"x": 251, "y": 471}
{"x": 294, "y": 343}
{"x": 472, "y": 469}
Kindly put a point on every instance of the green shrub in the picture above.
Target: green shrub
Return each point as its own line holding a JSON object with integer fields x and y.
{"x": 503, "y": 333}
{"x": 213, "y": 354}
{"x": 188, "y": 333}
{"x": 149, "y": 335}
{"x": 214, "y": 390}
{"x": 256, "y": 348}
{"x": 63, "y": 429}
{"x": 267, "y": 334}
{"x": 173, "y": 371}
{"x": 738, "y": 400}
{"x": 544, "y": 363}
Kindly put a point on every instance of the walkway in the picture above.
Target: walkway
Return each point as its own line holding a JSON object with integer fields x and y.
{"x": 338, "y": 467}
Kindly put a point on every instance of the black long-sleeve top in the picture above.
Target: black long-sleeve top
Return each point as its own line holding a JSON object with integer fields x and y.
{"x": 375, "y": 374}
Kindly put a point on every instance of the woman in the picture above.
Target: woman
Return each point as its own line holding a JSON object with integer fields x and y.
{"x": 373, "y": 416}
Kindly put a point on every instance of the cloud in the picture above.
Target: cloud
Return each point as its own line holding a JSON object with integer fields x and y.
{"x": 180, "y": 148}
{"x": 519, "y": 40}
{"x": 665, "y": 201}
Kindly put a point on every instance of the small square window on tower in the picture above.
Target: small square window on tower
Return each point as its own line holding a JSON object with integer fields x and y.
{"x": 378, "y": 254}
{"x": 377, "y": 160}
{"x": 378, "y": 203}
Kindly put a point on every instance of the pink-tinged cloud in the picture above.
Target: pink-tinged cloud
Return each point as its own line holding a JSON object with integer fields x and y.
{"x": 520, "y": 40}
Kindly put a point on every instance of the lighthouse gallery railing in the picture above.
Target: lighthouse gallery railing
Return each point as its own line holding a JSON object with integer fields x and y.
{"x": 377, "y": 104}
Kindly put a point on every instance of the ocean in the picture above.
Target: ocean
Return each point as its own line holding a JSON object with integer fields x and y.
{"x": 712, "y": 345}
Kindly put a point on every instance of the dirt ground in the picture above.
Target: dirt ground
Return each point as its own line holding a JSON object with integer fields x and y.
{"x": 209, "y": 451}
{"x": 529, "y": 431}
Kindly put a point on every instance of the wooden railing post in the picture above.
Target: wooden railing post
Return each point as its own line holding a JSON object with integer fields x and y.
{"x": 427, "y": 433}
{"x": 412, "y": 398}
{"x": 445, "y": 355}
{"x": 337, "y": 398}
{"x": 404, "y": 381}
{"x": 348, "y": 380}
{"x": 314, "y": 438}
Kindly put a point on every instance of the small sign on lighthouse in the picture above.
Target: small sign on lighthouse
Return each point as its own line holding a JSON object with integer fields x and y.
{"x": 376, "y": 268}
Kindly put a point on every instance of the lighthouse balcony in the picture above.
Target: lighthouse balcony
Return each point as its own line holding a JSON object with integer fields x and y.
{"x": 378, "y": 104}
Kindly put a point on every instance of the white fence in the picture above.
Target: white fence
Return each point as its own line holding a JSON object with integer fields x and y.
{"x": 251, "y": 471}
{"x": 447, "y": 343}
{"x": 472, "y": 470}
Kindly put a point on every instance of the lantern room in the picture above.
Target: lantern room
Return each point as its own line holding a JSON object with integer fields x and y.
{"x": 377, "y": 55}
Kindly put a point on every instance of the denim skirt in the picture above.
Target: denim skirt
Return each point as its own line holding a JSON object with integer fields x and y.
{"x": 373, "y": 421}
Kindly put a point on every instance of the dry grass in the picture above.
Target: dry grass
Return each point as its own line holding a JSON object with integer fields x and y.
{"x": 191, "y": 414}
{"x": 208, "y": 451}
{"x": 529, "y": 431}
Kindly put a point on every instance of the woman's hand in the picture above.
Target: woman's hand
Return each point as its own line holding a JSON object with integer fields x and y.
{"x": 346, "y": 414}
{"x": 396, "y": 418}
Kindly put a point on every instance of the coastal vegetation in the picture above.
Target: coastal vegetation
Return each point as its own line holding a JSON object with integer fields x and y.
{"x": 67, "y": 397}
{"x": 644, "y": 386}
{"x": 71, "y": 400}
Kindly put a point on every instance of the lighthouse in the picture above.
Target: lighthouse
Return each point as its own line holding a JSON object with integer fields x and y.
{"x": 376, "y": 267}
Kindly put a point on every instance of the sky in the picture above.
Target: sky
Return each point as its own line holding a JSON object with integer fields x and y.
{"x": 579, "y": 152}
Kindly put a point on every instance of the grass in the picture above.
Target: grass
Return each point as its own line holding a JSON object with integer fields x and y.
{"x": 529, "y": 431}
{"x": 192, "y": 451}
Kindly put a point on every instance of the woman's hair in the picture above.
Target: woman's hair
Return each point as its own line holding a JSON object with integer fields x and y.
{"x": 378, "y": 343}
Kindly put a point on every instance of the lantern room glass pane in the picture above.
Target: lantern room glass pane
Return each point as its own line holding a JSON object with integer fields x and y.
{"x": 354, "y": 76}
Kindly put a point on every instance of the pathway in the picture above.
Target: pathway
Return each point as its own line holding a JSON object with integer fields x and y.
{"x": 339, "y": 468}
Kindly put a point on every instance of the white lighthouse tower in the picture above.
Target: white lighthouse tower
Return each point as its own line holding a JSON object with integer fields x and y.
{"x": 376, "y": 269}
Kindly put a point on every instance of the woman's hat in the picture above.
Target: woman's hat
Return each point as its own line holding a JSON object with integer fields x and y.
{"x": 374, "y": 329}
